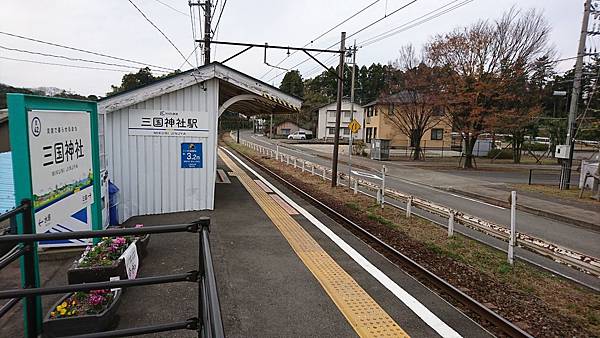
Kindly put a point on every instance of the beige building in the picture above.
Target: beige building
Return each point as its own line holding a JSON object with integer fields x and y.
{"x": 379, "y": 126}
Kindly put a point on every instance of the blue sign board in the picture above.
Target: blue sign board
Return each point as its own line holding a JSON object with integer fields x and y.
{"x": 191, "y": 155}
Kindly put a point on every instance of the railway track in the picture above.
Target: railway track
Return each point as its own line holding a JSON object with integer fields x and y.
{"x": 500, "y": 323}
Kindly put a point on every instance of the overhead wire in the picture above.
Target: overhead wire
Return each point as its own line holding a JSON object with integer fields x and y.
{"x": 83, "y": 50}
{"x": 321, "y": 35}
{"x": 220, "y": 14}
{"x": 74, "y": 59}
{"x": 171, "y": 7}
{"x": 415, "y": 22}
{"x": 158, "y": 29}
{"x": 385, "y": 16}
{"x": 62, "y": 64}
{"x": 193, "y": 20}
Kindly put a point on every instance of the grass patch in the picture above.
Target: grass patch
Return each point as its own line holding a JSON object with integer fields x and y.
{"x": 381, "y": 220}
{"x": 571, "y": 194}
{"x": 353, "y": 206}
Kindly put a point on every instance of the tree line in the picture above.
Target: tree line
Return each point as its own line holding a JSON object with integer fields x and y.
{"x": 487, "y": 78}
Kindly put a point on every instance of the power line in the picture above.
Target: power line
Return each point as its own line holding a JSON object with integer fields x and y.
{"x": 161, "y": 32}
{"x": 323, "y": 34}
{"x": 171, "y": 7}
{"x": 221, "y": 13}
{"x": 83, "y": 50}
{"x": 193, "y": 19}
{"x": 61, "y": 64}
{"x": 351, "y": 35}
{"x": 72, "y": 59}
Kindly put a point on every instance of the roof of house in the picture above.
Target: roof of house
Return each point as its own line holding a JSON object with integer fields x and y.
{"x": 268, "y": 99}
{"x": 399, "y": 97}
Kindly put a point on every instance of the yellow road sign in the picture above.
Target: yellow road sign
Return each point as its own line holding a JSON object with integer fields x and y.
{"x": 354, "y": 126}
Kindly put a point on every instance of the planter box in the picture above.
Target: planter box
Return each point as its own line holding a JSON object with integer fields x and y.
{"x": 69, "y": 326}
{"x": 77, "y": 275}
{"x": 142, "y": 246}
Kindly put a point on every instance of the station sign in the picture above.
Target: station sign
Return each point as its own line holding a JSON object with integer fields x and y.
{"x": 56, "y": 163}
{"x": 146, "y": 122}
{"x": 60, "y": 153}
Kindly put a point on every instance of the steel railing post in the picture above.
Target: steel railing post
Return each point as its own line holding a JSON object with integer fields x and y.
{"x": 529, "y": 181}
{"x": 30, "y": 277}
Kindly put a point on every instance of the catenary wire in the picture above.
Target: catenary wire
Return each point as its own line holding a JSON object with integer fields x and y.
{"x": 83, "y": 50}
{"x": 161, "y": 32}
{"x": 323, "y": 34}
{"x": 351, "y": 35}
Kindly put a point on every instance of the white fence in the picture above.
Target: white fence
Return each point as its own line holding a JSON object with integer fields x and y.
{"x": 558, "y": 253}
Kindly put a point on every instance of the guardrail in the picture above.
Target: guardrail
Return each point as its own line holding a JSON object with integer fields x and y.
{"x": 554, "y": 251}
{"x": 208, "y": 322}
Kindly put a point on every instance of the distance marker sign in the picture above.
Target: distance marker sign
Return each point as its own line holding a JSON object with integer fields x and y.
{"x": 191, "y": 155}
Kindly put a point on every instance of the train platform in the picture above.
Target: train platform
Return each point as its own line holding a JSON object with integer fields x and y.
{"x": 283, "y": 269}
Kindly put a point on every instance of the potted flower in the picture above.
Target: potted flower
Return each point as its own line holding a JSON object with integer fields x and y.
{"x": 82, "y": 312}
{"x": 101, "y": 261}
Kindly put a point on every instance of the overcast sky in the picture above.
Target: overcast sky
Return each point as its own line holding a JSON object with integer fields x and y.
{"x": 116, "y": 28}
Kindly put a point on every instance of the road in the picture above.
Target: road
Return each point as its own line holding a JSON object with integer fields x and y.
{"x": 408, "y": 179}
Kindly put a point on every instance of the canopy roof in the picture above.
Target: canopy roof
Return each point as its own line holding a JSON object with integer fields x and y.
{"x": 239, "y": 92}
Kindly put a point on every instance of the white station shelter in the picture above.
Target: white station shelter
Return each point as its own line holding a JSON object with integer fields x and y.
{"x": 159, "y": 142}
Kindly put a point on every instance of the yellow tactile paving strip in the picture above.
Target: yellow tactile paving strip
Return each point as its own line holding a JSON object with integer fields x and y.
{"x": 362, "y": 312}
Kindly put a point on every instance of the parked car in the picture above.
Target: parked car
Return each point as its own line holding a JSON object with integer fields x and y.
{"x": 297, "y": 135}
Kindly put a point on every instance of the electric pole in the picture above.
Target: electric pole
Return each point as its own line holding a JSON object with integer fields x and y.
{"x": 340, "y": 89}
{"x": 566, "y": 165}
{"x": 207, "y": 19}
{"x": 351, "y": 112}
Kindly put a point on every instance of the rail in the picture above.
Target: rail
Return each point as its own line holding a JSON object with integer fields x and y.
{"x": 208, "y": 322}
{"x": 554, "y": 251}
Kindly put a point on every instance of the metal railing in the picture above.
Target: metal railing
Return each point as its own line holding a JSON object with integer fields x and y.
{"x": 208, "y": 322}
{"x": 538, "y": 245}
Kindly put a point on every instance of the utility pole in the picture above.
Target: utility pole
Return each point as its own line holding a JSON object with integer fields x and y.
{"x": 351, "y": 112}
{"x": 340, "y": 89}
{"x": 207, "y": 22}
{"x": 566, "y": 165}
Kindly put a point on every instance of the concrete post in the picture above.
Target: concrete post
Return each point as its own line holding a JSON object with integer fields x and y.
{"x": 383, "y": 170}
{"x": 295, "y": 166}
{"x": 324, "y": 174}
{"x": 451, "y": 224}
{"x": 408, "y": 206}
{"x": 303, "y": 164}
{"x": 287, "y": 159}
{"x": 513, "y": 224}
{"x": 277, "y": 150}
{"x": 312, "y": 169}
{"x": 355, "y": 186}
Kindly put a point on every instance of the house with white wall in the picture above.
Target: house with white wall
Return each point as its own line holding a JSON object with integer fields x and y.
{"x": 326, "y": 120}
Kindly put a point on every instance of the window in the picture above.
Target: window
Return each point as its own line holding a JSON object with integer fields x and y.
{"x": 368, "y": 134}
{"x": 331, "y": 131}
{"x": 286, "y": 131}
{"x": 331, "y": 115}
{"x": 375, "y": 132}
{"x": 437, "y": 134}
{"x": 346, "y": 131}
{"x": 347, "y": 115}
{"x": 370, "y": 111}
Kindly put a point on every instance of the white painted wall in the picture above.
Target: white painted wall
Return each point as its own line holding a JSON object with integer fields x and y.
{"x": 327, "y": 120}
{"x": 147, "y": 169}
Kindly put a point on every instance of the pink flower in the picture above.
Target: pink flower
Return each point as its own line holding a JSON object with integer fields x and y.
{"x": 95, "y": 300}
{"x": 119, "y": 241}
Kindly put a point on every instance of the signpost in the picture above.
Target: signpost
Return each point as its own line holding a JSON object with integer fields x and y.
{"x": 56, "y": 165}
{"x": 191, "y": 155}
{"x": 354, "y": 126}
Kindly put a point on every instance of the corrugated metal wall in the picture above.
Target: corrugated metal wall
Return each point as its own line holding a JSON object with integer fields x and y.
{"x": 147, "y": 169}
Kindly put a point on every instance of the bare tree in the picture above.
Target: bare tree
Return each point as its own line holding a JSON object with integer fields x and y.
{"x": 413, "y": 108}
{"x": 478, "y": 62}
